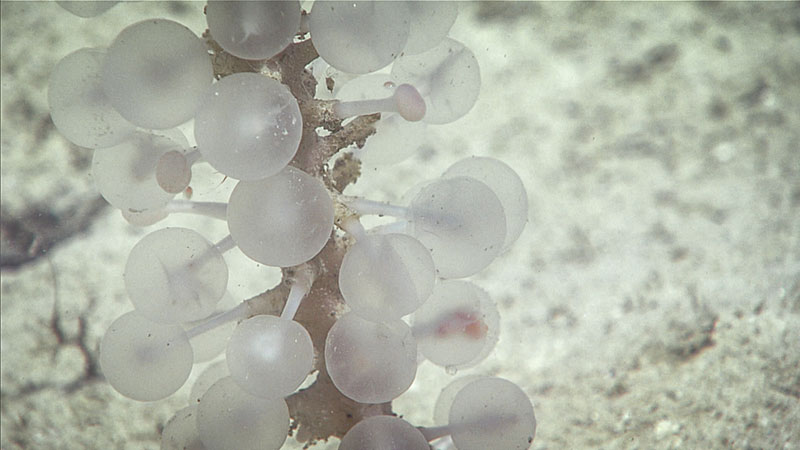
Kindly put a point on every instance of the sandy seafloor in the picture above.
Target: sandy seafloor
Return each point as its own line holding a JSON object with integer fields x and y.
{"x": 652, "y": 302}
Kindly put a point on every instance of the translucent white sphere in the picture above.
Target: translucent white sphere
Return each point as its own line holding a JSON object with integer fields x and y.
{"x": 144, "y": 218}
{"x": 458, "y": 326}
{"x": 441, "y": 411}
{"x": 492, "y": 413}
{"x": 125, "y": 174}
{"x": 78, "y": 106}
{"x": 156, "y": 73}
{"x": 269, "y": 356}
{"x": 173, "y": 172}
{"x": 230, "y": 418}
{"x": 180, "y": 432}
{"x": 505, "y": 183}
{"x": 462, "y": 222}
{"x": 213, "y": 373}
{"x": 370, "y": 362}
{"x": 383, "y": 433}
{"x": 386, "y": 276}
{"x": 430, "y": 23}
{"x": 86, "y": 9}
{"x": 447, "y": 76}
{"x": 175, "y": 275}
{"x": 359, "y": 36}
{"x": 253, "y": 30}
{"x": 144, "y": 360}
{"x": 249, "y": 126}
{"x": 283, "y": 220}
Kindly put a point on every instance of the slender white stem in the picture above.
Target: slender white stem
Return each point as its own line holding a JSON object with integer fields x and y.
{"x": 363, "y": 206}
{"x": 304, "y": 18}
{"x": 363, "y": 107}
{"x": 487, "y": 422}
{"x": 405, "y": 100}
{"x": 225, "y": 244}
{"x": 296, "y": 294}
{"x": 443, "y": 443}
{"x": 222, "y": 246}
{"x": 354, "y": 228}
{"x": 193, "y": 156}
{"x": 239, "y": 312}
{"x": 433, "y": 433}
{"x": 217, "y": 210}
{"x": 301, "y": 284}
{"x": 399, "y": 227}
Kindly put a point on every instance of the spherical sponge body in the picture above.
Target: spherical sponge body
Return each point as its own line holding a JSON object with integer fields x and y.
{"x": 249, "y": 126}
{"x": 156, "y": 72}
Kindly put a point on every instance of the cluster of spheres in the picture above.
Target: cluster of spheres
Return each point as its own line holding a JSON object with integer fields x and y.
{"x": 403, "y": 284}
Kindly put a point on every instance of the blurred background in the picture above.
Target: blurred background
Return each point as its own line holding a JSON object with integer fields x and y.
{"x": 653, "y": 300}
